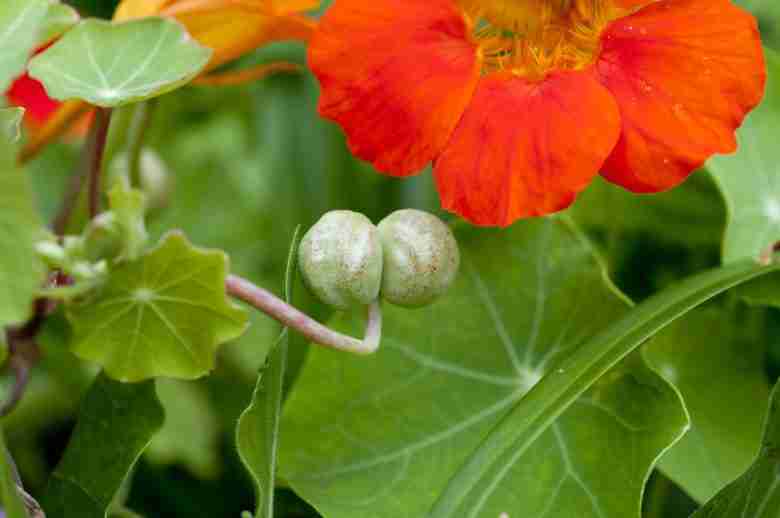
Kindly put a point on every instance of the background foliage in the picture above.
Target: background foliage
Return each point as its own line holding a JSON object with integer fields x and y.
{"x": 251, "y": 163}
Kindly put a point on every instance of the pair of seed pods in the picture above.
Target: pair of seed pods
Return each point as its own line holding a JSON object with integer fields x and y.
{"x": 409, "y": 259}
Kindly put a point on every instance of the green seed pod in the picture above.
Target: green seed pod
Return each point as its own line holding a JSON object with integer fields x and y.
{"x": 340, "y": 259}
{"x": 421, "y": 258}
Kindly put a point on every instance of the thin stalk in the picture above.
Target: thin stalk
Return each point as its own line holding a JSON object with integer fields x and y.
{"x": 75, "y": 185}
{"x": 293, "y": 318}
{"x": 96, "y": 147}
{"x": 142, "y": 117}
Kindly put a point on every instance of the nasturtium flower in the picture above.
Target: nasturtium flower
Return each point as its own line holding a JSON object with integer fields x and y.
{"x": 520, "y": 103}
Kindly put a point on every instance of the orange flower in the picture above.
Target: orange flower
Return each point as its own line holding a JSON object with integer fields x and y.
{"x": 519, "y": 104}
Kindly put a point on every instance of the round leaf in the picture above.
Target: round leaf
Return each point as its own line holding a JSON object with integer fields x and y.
{"x": 394, "y": 428}
{"x": 162, "y": 315}
{"x": 111, "y": 64}
{"x": 750, "y": 179}
{"x": 20, "y": 27}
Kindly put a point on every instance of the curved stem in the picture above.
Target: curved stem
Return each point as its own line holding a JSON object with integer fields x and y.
{"x": 276, "y": 308}
{"x": 96, "y": 147}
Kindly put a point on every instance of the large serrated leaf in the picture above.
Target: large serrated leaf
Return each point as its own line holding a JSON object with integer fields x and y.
{"x": 756, "y": 494}
{"x": 750, "y": 178}
{"x": 715, "y": 359}
{"x": 111, "y": 64}
{"x": 115, "y": 424}
{"x": 21, "y": 23}
{"x": 21, "y": 272}
{"x": 257, "y": 431}
{"x": 164, "y": 314}
{"x": 391, "y": 430}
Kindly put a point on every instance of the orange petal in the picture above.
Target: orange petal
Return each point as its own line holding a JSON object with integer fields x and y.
{"x": 526, "y": 148}
{"x": 631, "y": 4}
{"x": 233, "y": 29}
{"x": 238, "y": 77}
{"x": 684, "y": 73}
{"x": 396, "y": 75}
{"x": 60, "y": 122}
{"x": 131, "y": 9}
{"x": 282, "y": 7}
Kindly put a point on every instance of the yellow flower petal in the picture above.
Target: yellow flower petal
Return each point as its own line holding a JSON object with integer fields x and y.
{"x": 131, "y": 9}
{"x": 236, "y": 29}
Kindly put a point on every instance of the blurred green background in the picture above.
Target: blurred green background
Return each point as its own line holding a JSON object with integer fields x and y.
{"x": 250, "y": 163}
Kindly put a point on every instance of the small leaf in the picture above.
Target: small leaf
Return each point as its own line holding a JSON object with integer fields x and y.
{"x": 717, "y": 363}
{"x": 393, "y": 429}
{"x": 13, "y": 505}
{"x": 21, "y": 271}
{"x": 162, "y": 315}
{"x": 111, "y": 64}
{"x": 20, "y": 28}
{"x": 756, "y": 494}
{"x": 257, "y": 432}
{"x": 59, "y": 18}
{"x": 115, "y": 424}
{"x": 10, "y": 123}
{"x": 750, "y": 179}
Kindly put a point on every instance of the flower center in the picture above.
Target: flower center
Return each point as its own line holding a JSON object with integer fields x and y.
{"x": 531, "y": 38}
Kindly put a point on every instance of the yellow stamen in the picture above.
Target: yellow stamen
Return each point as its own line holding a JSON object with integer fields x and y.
{"x": 531, "y": 38}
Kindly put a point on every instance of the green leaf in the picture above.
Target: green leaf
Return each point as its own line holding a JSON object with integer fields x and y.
{"x": 13, "y": 505}
{"x": 190, "y": 435}
{"x": 576, "y": 374}
{"x": 20, "y": 28}
{"x": 750, "y": 179}
{"x": 717, "y": 364}
{"x": 111, "y": 64}
{"x": 691, "y": 214}
{"x": 162, "y": 315}
{"x": 756, "y": 494}
{"x": 21, "y": 272}
{"x": 382, "y": 436}
{"x": 59, "y": 18}
{"x": 115, "y": 424}
{"x": 257, "y": 432}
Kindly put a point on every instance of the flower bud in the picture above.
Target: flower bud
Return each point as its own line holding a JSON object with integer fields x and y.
{"x": 155, "y": 181}
{"x": 102, "y": 238}
{"x": 340, "y": 259}
{"x": 421, "y": 258}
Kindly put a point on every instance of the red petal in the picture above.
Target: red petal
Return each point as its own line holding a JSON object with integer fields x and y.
{"x": 684, "y": 73}
{"x": 526, "y": 149}
{"x": 396, "y": 75}
{"x": 29, "y": 94}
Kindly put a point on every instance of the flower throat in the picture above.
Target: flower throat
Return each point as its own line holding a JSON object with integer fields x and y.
{"x": 531, "y": 38}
